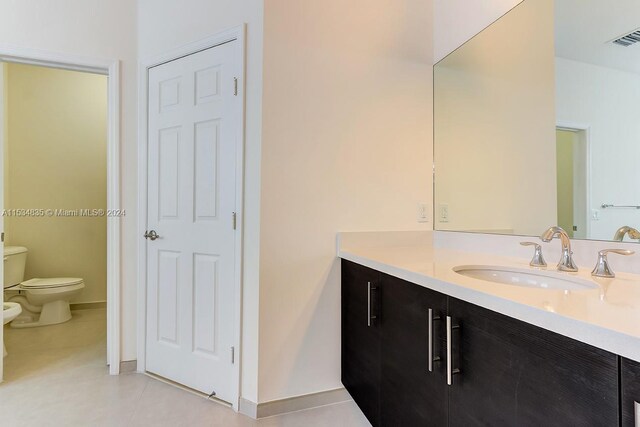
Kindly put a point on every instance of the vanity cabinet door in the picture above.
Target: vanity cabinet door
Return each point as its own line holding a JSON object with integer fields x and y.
{"x": 412, "y": 395}
{"x": 630, "y": 376}
{"x": 516, "y": 374}
{"x": 361, "y": 337}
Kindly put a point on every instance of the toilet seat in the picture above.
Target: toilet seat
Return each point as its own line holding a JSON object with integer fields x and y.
{"x": 49, "y": 282}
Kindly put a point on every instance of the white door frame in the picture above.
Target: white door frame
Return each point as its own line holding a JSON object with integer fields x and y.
{"x": 110, "y": 68}
{"x": 581, "y": 127}
{"x": 234, "y": 33}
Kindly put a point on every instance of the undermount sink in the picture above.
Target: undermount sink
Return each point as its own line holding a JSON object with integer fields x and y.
{"x": 525, "y": 277}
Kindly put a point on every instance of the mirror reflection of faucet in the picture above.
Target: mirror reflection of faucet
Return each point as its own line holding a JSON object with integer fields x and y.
{"x": 626, "y": 230}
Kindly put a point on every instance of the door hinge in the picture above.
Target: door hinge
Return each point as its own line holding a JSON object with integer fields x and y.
{"x": 233, "y": 355}
{"x": 234, "y": 216}
{"x": 2, "y": 237}
{"x": 235, "y": 86}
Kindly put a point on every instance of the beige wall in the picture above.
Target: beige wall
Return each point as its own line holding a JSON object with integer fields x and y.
{"x": 346, "y": 146}
{"x": 56, "y": 158}
{"x": 102, "y": 29}
{"x": 495, "y": 127}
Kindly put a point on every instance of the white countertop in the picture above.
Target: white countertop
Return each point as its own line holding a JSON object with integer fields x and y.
{"x": 607, "y": 317}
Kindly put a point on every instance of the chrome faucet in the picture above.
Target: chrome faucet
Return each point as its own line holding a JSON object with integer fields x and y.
{"x": 566, "y": 261}
{"x": 602, "y": 268}
{"x": 622, "y": 231}
{"x": 538, "y": 259}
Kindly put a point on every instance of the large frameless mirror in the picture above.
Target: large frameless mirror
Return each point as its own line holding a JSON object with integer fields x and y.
{"x": 537, "y": 123}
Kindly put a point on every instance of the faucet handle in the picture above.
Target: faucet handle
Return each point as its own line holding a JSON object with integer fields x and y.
{"x": 602, "y": 268}
{"x": 538, "y": 259}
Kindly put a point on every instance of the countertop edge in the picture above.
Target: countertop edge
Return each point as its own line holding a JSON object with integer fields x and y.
{"x": 606, "y": 339}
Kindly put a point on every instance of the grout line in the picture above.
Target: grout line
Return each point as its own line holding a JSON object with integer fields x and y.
{"x": 138, "y": 399}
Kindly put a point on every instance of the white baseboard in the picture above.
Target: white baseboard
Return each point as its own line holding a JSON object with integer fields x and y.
{"x": 248, "y": 408}
{"x": 292, "y": 404}
{"x": 128, "y": 366}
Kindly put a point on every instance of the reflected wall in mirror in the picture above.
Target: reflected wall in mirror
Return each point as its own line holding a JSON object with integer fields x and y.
{"x": 536, "y": 123}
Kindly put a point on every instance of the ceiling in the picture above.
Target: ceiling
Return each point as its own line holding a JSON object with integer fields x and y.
{"x": 585, "y": 29}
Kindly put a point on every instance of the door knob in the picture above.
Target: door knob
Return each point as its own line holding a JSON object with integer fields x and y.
{"x": 151, "y": 235}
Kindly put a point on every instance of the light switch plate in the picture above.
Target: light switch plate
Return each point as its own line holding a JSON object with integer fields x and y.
{"x": 443, "y": 212}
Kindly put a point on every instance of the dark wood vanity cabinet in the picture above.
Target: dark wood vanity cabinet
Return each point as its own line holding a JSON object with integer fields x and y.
{"x": 385, "y": 348}
{"x": 413, "y": 390}
{"x": 510, "y": 372}
{"x": 361, "y": 338}
{"x": 516, "y": 374}
{"x": 630, "y": 390}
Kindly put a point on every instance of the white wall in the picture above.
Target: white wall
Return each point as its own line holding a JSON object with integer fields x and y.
{"x": 166, "y": 24}
{"x": 346, "y": 146}
{"x": 605, "y": 100}
{"x": 495, "y": 134}
{"x": 102, "y": 29}
{"x": 456, "y": 21}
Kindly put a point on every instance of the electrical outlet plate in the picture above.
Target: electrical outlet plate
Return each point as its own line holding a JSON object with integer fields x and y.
{"x": 423, "y": 212}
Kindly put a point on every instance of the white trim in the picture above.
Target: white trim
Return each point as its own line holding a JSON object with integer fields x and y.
{"x": 236, "y": 33}
{"x": 294, "y": 404}
{"x": 110, "y": 68}
{"x": 113, "y": 222}
{"x": 2, "y": 202}
{"x": 23, "y": 55}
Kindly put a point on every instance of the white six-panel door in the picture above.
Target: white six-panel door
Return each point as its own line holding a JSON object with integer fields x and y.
{"x": 192, "y": 141}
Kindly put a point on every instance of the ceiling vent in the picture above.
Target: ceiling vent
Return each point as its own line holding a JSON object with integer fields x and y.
{"x": 629, "y": 39}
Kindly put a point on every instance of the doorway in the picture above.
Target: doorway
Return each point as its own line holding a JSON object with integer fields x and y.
{"x": 109, "y": 70}
{"x": 54, "y": 211}
{"x": 572, "y": 180}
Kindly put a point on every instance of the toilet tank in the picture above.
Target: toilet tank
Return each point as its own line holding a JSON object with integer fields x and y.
{"x": 15, "y": 259}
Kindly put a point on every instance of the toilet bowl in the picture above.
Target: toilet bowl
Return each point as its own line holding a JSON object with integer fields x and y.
{"x": 43, "y": 301}
{"x": 10, "y": 310}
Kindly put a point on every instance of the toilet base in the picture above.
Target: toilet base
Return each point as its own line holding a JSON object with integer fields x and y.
{"x": 52, "y": 313}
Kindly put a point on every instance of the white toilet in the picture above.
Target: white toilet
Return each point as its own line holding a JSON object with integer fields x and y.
{"x": 10, "y": 310}
{"x": 43, "y": 301}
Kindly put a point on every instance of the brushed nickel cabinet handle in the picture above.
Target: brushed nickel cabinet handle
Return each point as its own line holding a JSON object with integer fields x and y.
{"x": 431, "y": 340}
{"x": 368, "y": 303}
{"x": 451, "y": 371}
{"x": 369, "y": 315}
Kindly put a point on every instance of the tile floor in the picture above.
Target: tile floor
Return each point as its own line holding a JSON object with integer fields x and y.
{"x": 56, "y": 376}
